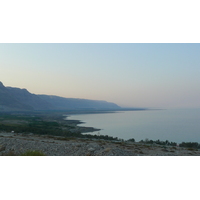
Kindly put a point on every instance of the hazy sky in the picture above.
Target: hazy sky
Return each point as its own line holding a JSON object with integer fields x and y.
{"x": 137, "y": 75}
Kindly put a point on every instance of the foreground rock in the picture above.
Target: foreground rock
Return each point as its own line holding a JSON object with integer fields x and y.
{"x": 11, "y": 144}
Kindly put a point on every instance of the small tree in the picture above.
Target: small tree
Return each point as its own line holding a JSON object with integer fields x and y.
{"x": 131, "y": 140}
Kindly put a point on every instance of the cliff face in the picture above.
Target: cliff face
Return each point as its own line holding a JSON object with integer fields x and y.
{"x": 13, "y": 99}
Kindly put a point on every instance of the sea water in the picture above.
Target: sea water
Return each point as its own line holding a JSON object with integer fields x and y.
{"x": 174, "y": 125}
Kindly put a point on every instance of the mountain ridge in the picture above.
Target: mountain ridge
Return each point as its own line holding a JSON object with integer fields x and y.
{"x": 16, "y": 99}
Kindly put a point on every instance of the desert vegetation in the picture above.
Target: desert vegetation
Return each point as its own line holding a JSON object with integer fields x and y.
{"x": 50, "y": 123}
{"x": 33, "y": 153}
{"x": 147, "y": 141}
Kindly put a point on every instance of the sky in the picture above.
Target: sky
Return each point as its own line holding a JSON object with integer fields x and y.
{"x": 156, "y": 75}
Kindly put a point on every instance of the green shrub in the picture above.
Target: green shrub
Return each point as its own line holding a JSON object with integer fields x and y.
{"x": 33, "y": 153}
{"x": 131, "y": 140}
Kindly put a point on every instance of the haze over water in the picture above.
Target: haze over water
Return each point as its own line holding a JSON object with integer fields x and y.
{"x": 174, "y": 125}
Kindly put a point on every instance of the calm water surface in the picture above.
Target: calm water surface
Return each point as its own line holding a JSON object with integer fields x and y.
{"x": 175, "y": 125}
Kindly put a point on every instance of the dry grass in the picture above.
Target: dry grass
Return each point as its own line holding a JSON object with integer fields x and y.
{"x": 191, "y": 149}
{"x": 10, "y": 153}
{"x": 107, "y": 149}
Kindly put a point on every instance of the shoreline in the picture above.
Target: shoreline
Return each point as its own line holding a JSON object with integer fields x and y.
{"x": 82, "y": 129}
{"x": 176, "y": 130}
{"x": 67, "y": 125}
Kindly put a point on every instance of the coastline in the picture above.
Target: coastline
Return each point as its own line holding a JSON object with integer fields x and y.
{"x": 177, "y": 125}
{"x": 72, "y": 143}
{"x": 76, "y": 128}
{"x": 84, "y": 129}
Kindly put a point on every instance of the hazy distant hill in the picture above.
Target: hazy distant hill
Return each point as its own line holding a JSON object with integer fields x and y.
{"x": 12, "y": 99}
{"x": 28, "y": 99}
{"x": 61, "y": 103}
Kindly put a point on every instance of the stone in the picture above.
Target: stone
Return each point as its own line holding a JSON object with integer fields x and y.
{"x": 2, "y": 148}
{"x": 91, "y": 149}
{"x": 94, "y": 145}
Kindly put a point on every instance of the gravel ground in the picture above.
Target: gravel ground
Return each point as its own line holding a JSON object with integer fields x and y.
{"x": 11, "y": 144}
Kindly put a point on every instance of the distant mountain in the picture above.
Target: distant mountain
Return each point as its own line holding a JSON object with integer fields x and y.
{"x": 28, "y": 99}
{"x": 14, "y": 99}
{"x": 61, "y": 103}
{"x": 9, "y": 102}
{"x": 20, "y": 99}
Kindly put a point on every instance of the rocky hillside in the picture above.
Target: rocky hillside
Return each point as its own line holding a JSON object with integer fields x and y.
{"x": 11, "y": 144}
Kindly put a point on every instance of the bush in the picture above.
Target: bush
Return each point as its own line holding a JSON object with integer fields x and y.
{"x": 131, "y": 140}
{"x": 190, "y": 145}
{"x": 33, "y": 153}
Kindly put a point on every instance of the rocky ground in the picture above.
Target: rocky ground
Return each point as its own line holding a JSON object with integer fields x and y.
{"x": 12, "y": 144}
